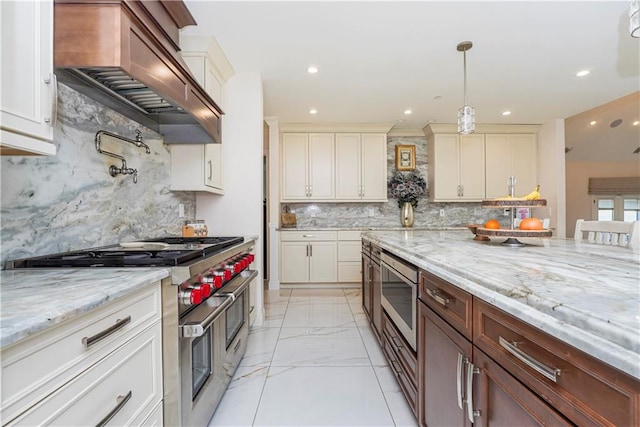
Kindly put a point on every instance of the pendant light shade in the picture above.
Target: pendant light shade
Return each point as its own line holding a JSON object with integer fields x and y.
{"x": 466, "y": 114}
{"x": 634, "y": 18}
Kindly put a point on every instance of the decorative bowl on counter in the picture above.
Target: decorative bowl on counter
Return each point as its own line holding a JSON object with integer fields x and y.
{"x": 473, "y": 228}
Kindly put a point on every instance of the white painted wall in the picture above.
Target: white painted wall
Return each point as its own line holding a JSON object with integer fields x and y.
{"x": 239, "y": 211}
{"x": 578, "y": 173}
{"x": 551, "y": 175}
{"x": 274, "y": 202}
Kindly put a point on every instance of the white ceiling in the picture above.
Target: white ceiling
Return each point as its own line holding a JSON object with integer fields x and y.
{"x": 377, "y": 59}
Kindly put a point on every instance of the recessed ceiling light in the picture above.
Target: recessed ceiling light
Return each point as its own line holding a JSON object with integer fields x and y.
{"x": 506, "y": 113}
{"x": 582, "y": 73}
{"x": 312, "y": 69}
{"x": 636, "y": 123}
{"x": 400, "y": 120}
{"x": 407, "y": 112}
{"x": 593, "y": 122}
{"x": 313, "y": 111}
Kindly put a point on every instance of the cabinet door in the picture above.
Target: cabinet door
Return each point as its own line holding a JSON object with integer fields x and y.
{"x": 29, "y": 90}
{"x": 213, "y": 166}
{"x": 503, "y": 401}
{"x": 471, "y": 159}
{"x": 323, "y": 262}
{"x": 294, "y": 262}
{"x": 348, "y": 166}
{"x": 374, "y": 167}
{"x": 295, "y": 154}
{"x": 510, "y": 155}
{"x": 321, "y": 166}
{"x": 443, "y": 354}
{"x": 447, "y": 167}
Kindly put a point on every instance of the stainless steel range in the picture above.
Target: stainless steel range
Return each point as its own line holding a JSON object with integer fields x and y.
{"x": 205, "y": 313}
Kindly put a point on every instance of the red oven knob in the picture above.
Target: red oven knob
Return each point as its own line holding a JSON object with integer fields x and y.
{"x": 205, "y": 289}
{"x": 237, "y": 267}
{"x": 218, "y": 276}
{"x": 252, "y": 258}
{"x": 227, "y": 274}
{"x": 191, "y": 296}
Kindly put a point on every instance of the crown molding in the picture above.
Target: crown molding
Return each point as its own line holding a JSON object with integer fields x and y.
{"x": 406, "y": 132}
{"x": 436, "y": 128}
{"x": 336, "y": 127}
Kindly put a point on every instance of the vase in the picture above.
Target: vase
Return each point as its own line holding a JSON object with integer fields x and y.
{"x": 406, "y": 215}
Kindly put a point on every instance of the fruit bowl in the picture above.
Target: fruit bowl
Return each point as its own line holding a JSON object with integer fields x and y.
{"x": 473, "y": 228}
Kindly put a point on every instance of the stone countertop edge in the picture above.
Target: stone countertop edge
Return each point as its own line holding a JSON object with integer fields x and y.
{"x": 605, "y": 333}
{"x": 33, "y": 300}
{"x": 364, "y": 228}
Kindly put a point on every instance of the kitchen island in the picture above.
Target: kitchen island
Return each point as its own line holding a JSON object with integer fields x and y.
{"x": 583, "y": 294}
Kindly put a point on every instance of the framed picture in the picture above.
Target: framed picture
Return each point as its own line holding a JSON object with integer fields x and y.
{"x": 405, "y": 157}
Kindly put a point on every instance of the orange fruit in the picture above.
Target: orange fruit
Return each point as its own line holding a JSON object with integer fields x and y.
{"x": 531, "y": 224}
{"x": 492, "y": 223}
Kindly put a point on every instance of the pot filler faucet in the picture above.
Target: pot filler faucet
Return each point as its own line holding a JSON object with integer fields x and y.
{"x": 124, "y": 170}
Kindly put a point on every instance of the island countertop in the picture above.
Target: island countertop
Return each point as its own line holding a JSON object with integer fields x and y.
{"x": 34, "y": 300}
{"x": 583, "y": 294}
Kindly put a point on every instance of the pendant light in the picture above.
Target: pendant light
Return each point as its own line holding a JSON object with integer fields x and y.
{"x": 634, "y": 18}
{"x": 466, "y": 114}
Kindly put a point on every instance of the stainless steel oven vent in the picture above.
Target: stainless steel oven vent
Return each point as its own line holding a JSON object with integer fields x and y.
{"x": 135, "y": 92}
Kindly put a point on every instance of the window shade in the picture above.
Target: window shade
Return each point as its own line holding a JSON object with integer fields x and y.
{"x": 623, "y": 185}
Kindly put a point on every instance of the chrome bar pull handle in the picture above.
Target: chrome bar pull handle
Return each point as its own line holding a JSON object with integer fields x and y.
{"x": 436, "y": 296}
{"x": 120, "y": 402}
{"x": 541, "y": 368}
{"x": 120, "y": 323}
{"x": 471, "y": 414}
{"x": 461, "y": 361}
{"x": 210, "y": 170}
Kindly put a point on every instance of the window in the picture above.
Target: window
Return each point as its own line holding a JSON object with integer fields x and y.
{"x": 618, "y": 208}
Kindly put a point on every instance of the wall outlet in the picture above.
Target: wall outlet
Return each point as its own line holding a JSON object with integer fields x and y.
{"x": 441, "y": 212}
{"x": 506, "y": 212}
{"x": 371, "y": 212}
{"x": 180, "y": 210}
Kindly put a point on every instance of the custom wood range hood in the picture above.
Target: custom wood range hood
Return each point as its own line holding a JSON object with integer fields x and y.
{"x": 125, "y": 55}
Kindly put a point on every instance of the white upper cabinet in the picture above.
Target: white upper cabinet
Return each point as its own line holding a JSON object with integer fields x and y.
{"x": 28, "y": 103}
{"x": 199, "y": 167}
{"x": 307, "y": 167}
{"x": 456, "y": 167}
{"x": 510, "y": 155}
{"x": 470, "y": 168}
{"x": 361, "y": 167}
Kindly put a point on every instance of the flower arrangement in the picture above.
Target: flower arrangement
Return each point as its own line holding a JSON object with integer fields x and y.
{"x": 407, "y": 187}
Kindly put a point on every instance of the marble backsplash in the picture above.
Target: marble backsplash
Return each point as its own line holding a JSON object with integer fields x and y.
{"x": 387, "y": 214}
{"x": 69, "y": 201}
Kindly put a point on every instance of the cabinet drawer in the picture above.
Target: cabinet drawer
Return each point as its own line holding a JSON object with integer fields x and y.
{"x": 130, "y": 377}
{"x": 349, "y": 251}
{"x": 154, "y": 419}
{"x": 585, "y": 390}
{"x": 307, "y": 236}
{"x": 405, "y": 354}
{"x": 33, "y": 368}
{"x": 450, "y": 302}
{"x": 407, "y": 385}
{"x": 350, "y": 235}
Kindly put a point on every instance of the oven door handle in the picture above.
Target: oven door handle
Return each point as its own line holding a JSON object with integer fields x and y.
{"x": 195, "y": 323}
{"x": 237, "y": 286}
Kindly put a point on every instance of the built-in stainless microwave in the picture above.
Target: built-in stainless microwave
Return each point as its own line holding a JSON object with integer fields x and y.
{"x": 399, "y": 294}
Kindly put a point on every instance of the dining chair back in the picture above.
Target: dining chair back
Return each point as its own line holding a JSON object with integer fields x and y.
{"x": 616, "y": 233}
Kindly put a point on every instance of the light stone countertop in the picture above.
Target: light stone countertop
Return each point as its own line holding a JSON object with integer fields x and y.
{"x": 34, "y": 300}
{"x": 583, "y": 294}
{"x": 363, "y": 228}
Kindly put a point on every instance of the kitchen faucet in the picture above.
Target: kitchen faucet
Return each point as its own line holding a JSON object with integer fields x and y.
{"x": 124, "y": 170}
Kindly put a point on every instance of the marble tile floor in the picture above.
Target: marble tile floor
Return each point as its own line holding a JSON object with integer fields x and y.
{"x": 314, "y": 362}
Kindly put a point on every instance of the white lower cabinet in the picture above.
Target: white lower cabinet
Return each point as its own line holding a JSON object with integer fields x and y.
{"x": 121, "y": 389}
{"x": 197, "y": 167}
{"x": 78, "y": 372}
{"x": 349, "y": 256}
{"x": 308, "y": 257}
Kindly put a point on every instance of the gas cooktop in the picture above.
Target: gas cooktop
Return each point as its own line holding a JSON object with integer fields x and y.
{"x": 164, "y": 251}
